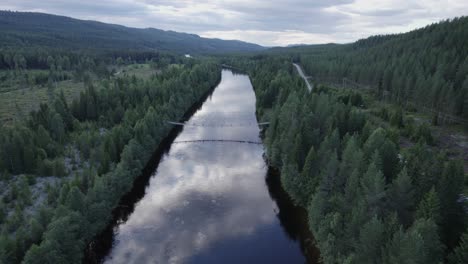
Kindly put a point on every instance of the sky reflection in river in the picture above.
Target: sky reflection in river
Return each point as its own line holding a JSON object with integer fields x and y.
{"x": 207, "y": 202}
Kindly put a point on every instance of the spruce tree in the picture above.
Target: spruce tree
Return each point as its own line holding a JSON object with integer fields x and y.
{"x": 401, "y": 197}
{"x": 429, "y": 207}
{"x": 460, "y": 253}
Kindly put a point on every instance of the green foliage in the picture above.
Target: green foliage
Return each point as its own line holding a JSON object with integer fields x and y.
{"x": 373, "y": 188}
{"x": 104, "y": 137}
{"x": 429, "y": 207}
{"x": 371, "y": 241}
{"x": 367, "y": 200}
{"x": 419, "y": 244}
{"x": 396, "y": 119}
{"x": 401, "y": 197}
{"x": 62, "y": 242}
{"x": 21, "y": 29}
{"x": 423, "y": 132}
{"x": 426, "y": 67}
{"x": 460, "y": 254}
{"x": 449, "y": 188}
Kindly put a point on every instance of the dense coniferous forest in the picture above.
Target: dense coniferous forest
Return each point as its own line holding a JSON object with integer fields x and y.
{"x": 21, "y": 29}
{"x": 368, "y": 199}
{"x": 371, "y": 197}
{"x": 84, "y": 155}
{"x": 427, "y": 67}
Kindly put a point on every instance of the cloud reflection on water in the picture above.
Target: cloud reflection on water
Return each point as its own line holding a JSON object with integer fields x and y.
{"x": 201, "y": 193}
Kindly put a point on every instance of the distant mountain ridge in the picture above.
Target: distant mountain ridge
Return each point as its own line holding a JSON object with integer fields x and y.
{"x": 26, "y": 29}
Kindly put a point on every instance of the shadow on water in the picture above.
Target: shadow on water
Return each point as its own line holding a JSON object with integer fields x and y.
{"x": 293, "y": 218}
{"x": 101, "y": 245}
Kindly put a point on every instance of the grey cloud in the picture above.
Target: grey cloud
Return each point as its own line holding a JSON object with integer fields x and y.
{"x": 103, "y": 7}
{"x": 383, "y": 13}
{"x": 317, "y": 20}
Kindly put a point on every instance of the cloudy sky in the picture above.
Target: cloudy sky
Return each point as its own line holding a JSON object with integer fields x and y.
{"x": 266, "y": 22}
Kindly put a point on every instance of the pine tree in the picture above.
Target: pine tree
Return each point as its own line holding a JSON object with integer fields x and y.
{"x": 400, "y": 248}
{"x": 299, "y": 151}
{"x": 429, "y": 207}
{"x": 460, "y": 253}
{"x": 430, "y": 248}
{"x": 3, "y": 212}
{"x": 401, "y": 197}
{"x": 61, "y": 107}
{"x": 76, "y": 200}
{"x": 449, "y": 188}
{"x": 419, "y": 244}
{"x": 371, "y": 242}
{"x": 310, "y": 171}
{"x": 57, "y": 127}
{"x": 373, "y": 188}
{"x": 396, "y": 119}
{"x": 352, "y": 159}
{"x": 389, "y": 154}
{"x": 36, "y": 230}
{"x": 328, "y": 176}
{"x": 24, "y": 191}
{"x": 374, "y": 142}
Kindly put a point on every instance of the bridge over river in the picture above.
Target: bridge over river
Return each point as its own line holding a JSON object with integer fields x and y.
{"x": 249, "y": 124}
{"x": 211, "y": 198}
{"x": 220, "y": 120}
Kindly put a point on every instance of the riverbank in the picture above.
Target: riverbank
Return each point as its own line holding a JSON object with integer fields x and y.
{"x": 293, "y": 217}
{"x": 82, "y": 208}
{"x": 364, "y": 194}
{"x": 100, "y": 246}
{"x": 202, "y": 200}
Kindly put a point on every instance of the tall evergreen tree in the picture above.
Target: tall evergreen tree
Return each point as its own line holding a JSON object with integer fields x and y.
{"x": 401, "y": 197}
{"x": 460, "y": 254}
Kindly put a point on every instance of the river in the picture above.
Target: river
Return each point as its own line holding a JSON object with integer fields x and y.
{"x": 212, "y": 201}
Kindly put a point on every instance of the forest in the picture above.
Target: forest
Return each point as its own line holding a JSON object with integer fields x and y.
{"x": 66, "y": 165}
{"x": 23, "y": 29}
{"x": 369, "y": 198}
{"x": 377, "y": 184}
{"x": 427, "y": 67}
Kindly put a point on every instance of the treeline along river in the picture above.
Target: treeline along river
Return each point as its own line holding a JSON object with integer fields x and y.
{"x": 209, "y": 200}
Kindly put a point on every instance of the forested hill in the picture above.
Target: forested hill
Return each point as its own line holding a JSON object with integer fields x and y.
{"x": 24, "y": 29}
{"x": 428, "y": 66}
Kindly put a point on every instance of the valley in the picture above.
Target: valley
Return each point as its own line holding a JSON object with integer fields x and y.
{"x": 121, "y": 144}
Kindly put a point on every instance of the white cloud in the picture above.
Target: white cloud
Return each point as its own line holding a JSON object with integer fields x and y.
{"x": 370, "y": 17}
{"x": 274, "y": 22}
{"x": 271, "y": 38}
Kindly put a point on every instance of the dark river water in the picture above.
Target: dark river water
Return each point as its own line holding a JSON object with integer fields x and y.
{"x": 213, "y": 201}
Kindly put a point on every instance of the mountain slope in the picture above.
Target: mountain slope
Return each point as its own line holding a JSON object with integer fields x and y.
{"x": 427, "y": 66}
{"x": 24, "y": 29}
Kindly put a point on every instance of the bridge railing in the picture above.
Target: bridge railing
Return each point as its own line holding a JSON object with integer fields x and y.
{"x": 219, "y": 140}
{"x": 249, "y": 124}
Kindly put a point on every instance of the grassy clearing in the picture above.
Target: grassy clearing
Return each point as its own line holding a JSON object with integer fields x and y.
{"x": 18, "y": 99}
{"x": 141, "y": 71}
{"x": 12, "y": 80}
{"x": 17, "y": 104}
